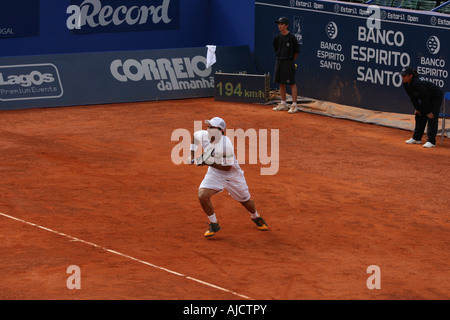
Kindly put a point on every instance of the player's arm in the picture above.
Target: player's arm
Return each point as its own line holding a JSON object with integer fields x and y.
{"x": 193, "y": 149}
{"x": 194, "y": 146}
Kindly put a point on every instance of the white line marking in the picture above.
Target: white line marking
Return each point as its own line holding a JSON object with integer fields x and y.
{"x": 129, "y": 257}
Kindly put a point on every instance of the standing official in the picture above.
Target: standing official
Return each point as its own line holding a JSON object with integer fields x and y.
{"x": 426, "y": 98}
{"x": 287, "y": 49}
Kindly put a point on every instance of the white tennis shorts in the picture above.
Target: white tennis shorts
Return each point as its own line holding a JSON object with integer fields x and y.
{"x": 234, "y": 183}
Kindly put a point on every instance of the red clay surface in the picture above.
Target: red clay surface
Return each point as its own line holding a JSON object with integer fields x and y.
{"x": 347, "y": 195}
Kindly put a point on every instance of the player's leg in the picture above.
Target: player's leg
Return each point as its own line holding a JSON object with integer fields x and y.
{"x": 250, "y": 206}
{"x": 239, "y": 191}
{"x": 204, "y": 196}
{"x": 256, "y": 218}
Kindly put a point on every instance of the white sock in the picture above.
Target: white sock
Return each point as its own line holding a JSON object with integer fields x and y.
{"x": 294, "y": 104}
{"x": 283, "y": 102}
{"x": 212, "y": 218}
{"x": 254, "y": 215}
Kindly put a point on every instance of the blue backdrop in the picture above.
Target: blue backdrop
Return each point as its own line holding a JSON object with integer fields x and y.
{"x": 201, "y": 22}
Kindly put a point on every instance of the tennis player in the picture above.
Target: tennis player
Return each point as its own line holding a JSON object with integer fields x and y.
{"x": 223, "y": 172}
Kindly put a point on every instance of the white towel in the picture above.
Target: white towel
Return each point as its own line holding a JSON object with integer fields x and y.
{"x": 210, "y": 56}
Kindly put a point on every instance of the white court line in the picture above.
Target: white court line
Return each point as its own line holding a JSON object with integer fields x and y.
{"x": 129, "y": 257}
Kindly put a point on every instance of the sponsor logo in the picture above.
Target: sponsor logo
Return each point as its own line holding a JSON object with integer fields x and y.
{"x": 169, "y": 74}
{"x": 31, "y": 81}
{"x": 433, "y": 45}
{"x": 380, "y": 55}
{"x": 331, "y": 53}
{"x": 122, "y": 15}
{"x": 331, "y": 30}
{"x": 6, "y": 31}
{"x": 298, "y": 29}
{"x": 439, "y": 21}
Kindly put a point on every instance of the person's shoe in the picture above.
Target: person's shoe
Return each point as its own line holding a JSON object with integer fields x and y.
{"x": 261, "y": 224}
{"x": 212, "y": 229}
{"x": 429, "y": 145}
{"x": 281, "y": 107}
{"x": 293, "y": 109}
{"x": 412, "y": 141}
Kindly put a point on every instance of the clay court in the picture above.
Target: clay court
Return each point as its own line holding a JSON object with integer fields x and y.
{"x": 95, "y": 187}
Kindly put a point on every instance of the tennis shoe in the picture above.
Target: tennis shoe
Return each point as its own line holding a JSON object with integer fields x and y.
{"x": 429, "y": 145}
{"x": 293, "y": 109}
{"x": 413, "y": 141}
{"x": 212, "y": 229}
{"x": 260, "y": 224}
{"x": 281, "y": 107}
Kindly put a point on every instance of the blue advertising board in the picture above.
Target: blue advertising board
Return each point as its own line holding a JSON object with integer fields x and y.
{"x": 19, "y": 18}
{"x": 113, "y": 77}
{"x": 352, "y": 54}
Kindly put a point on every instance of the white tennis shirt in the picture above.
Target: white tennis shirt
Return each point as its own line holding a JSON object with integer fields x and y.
{"x": 223, "y": 152}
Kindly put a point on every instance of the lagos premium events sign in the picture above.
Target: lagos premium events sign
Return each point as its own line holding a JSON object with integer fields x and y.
{"x": 97, "y": 16}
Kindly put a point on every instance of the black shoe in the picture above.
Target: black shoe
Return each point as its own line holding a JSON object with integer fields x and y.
{"x": 212, "y": 229}
{"x": 261, "y": 224}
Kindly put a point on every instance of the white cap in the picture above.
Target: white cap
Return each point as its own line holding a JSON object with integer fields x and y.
{"x": 217, "y": 122}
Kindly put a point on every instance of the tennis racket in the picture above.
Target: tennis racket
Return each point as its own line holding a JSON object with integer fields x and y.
{"x": 201, "y": 160}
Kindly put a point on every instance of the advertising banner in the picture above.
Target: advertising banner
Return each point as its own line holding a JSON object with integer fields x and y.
{"x": 19, "y": 18}
{"x": 97, "y": 16}
{"x": 352, "y": 54}
{"x": 113, "y": 77}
